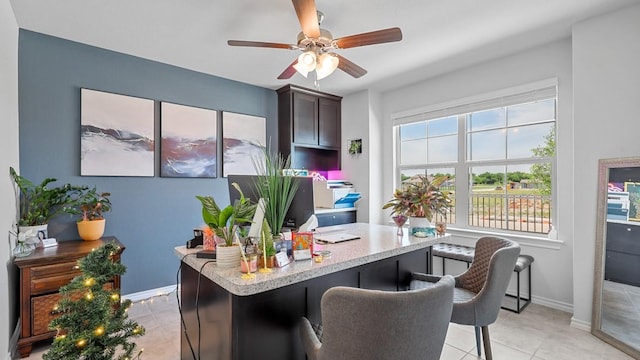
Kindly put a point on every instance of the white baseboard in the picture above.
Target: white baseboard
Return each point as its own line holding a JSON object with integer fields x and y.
{"x": 554, "y": 304}
{"x": 147, "y": 294}
{"x": 580, "y": 324}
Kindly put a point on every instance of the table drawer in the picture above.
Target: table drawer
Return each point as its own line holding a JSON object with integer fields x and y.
{"x": 49, "y": 278}
{"x": 43, "y": 310}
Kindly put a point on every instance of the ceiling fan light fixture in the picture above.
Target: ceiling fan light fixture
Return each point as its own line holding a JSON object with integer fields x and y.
{"x": 307, "y": 60}
{"x": 326, "y": 65}
{"x": 300, "y": 69}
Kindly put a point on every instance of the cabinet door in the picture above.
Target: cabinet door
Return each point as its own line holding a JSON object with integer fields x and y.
{"x": 305, "y": 119}
{"x": 623, "y": 238}
{"x": 329, "y": 123}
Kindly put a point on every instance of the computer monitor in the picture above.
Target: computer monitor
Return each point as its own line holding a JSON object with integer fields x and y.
{"x": 302, "y": 206}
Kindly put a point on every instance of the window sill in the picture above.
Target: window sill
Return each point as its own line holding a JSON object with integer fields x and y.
{"x": 528, "y": 240}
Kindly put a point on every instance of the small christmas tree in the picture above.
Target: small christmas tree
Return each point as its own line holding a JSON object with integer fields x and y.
{"x": 94, "y": 324}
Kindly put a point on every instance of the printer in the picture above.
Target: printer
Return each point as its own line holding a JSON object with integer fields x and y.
{"x": 334, "y": 194}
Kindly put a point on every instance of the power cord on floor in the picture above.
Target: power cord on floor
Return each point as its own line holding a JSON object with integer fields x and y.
{"x": 197, "y": 300}
{"x": 184, "y": 325}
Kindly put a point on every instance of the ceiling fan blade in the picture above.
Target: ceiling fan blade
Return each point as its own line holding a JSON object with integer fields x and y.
{"x": 370, "y": 38}
{"x": 308, "y": 17}
{"x": 349, "y": 67}
{"x": 289, "y": 71}
{"x": 261, "y": 44}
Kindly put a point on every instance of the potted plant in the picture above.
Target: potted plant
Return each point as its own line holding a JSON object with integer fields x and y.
{"x": 92, "y": 205}
{"x": 420, "y": 199}
{"x": 266, "y": 246}
{"x": 225, "y": 224}
{"x": 39, "y": 203}
{"x": 276, "y": 188}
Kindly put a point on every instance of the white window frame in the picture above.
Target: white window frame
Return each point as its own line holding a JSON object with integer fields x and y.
{"x": 536, "y": 91}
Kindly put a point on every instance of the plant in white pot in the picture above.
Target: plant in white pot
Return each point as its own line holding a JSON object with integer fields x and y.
{"x": 225, "y": 224}
{"x": 420, "y": 199}
{"x": 92, "y": 205}
{"x": 39, "y": 203}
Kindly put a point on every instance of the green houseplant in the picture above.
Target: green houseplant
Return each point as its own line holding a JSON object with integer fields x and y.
{"x": 276, "y": 188}
{"x": 225, "y": 223}
{"x": 39, "y": 203}
{"x": 420, "y": 199}
{"x": 91, "y": 206}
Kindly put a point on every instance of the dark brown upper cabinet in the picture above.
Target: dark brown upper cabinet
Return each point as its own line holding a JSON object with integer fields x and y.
{"x": 309, "y": 128}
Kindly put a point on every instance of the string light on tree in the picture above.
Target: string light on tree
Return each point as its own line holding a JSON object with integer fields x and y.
{"x": 93, "y": 324}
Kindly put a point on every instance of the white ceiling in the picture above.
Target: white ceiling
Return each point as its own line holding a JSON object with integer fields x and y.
{"x": 439, "y": 36}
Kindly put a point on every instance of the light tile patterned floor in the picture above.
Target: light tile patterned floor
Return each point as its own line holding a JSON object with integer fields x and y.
{"x": 539, "y": 333}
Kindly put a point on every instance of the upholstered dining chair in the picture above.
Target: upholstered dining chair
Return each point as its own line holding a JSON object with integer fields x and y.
{"x": 479, "y": 291}
{"x": 374, "y": 324}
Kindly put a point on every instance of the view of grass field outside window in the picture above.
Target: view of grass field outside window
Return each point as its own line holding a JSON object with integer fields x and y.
{"x": 507, "y": 154}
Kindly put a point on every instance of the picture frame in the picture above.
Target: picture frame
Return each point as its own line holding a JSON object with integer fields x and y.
{"x": 243, "y": 141}
{"x": 188, "y": 145}
{"x": 117, "y": 136}
{"x": 633, "y": 188}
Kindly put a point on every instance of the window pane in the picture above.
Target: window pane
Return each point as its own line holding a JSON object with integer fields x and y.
{"x": 521, "y": 140}
{"x": 528, "y": 203}
{"x": 486, "y": 145}
{"x": 408, "y": 173}
{"x": 444, "y": 126}
{"x": 450, "y": 186}
{"x": 531, "y": 112}
{"x": 413, "y": 152}
{"x": 443, "y": 149}
{"x": 487, "y": 119}
{"x": 413, "y": 131}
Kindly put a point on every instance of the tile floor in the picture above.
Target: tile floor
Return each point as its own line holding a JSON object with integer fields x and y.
{"x": 538, "y": 333}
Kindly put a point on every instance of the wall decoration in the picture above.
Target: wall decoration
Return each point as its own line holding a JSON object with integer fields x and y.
{"x": 244, "y": 139}
{"x": 633, "y": 188}
{"x": 188, "y": 145}
{"x": 117, "y": 137}
{"x": 355, "y": 146}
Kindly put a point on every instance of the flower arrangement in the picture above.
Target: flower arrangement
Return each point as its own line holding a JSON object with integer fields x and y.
{"x": 420, "y": 197}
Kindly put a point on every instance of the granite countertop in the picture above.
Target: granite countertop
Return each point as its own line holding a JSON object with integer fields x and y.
{"x": 376, "y": 242}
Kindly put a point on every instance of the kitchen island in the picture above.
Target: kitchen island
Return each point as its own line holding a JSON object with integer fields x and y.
{"x": 227, "y": 317}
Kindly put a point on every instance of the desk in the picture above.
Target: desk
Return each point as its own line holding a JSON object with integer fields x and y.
{"x": 258, "y": 319}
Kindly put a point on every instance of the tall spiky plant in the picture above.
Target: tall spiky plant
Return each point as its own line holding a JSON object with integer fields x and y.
{"x": 276, "y": 188}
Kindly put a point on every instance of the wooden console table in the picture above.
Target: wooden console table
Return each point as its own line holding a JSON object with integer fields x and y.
{"x": 41, "y": 275}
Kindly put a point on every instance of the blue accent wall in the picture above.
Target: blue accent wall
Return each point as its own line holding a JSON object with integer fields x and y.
{"x": 151, "y": 215}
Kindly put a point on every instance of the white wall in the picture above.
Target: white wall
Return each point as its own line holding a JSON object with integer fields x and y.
{"x": 362, "y": 118}
{"x": 9, "y": 151}
{"x": 552, "y": 270}
{"x": 606, "y": 57}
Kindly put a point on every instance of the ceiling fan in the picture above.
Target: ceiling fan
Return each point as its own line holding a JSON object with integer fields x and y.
{"x": 317, "y": 45}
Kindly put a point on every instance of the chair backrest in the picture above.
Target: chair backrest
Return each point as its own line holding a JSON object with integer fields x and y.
{"x": 373, "y": 324}
{"x": 489, "y": 275}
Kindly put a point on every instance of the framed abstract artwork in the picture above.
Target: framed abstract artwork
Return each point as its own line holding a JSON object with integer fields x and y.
{"x": 117, "y": 135}
{"x": 243, "y": 141}
{"x": 188, "y": 145}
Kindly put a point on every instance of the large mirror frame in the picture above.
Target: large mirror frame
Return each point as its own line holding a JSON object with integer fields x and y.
{"x": 604, "y": 167}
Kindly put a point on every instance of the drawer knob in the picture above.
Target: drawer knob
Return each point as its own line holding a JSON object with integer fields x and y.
{"x": 628, "y": 229}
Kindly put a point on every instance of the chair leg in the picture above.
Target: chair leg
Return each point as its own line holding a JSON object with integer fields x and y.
{"x": 477, "y": 328}
{"x": 487, "y": 343}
